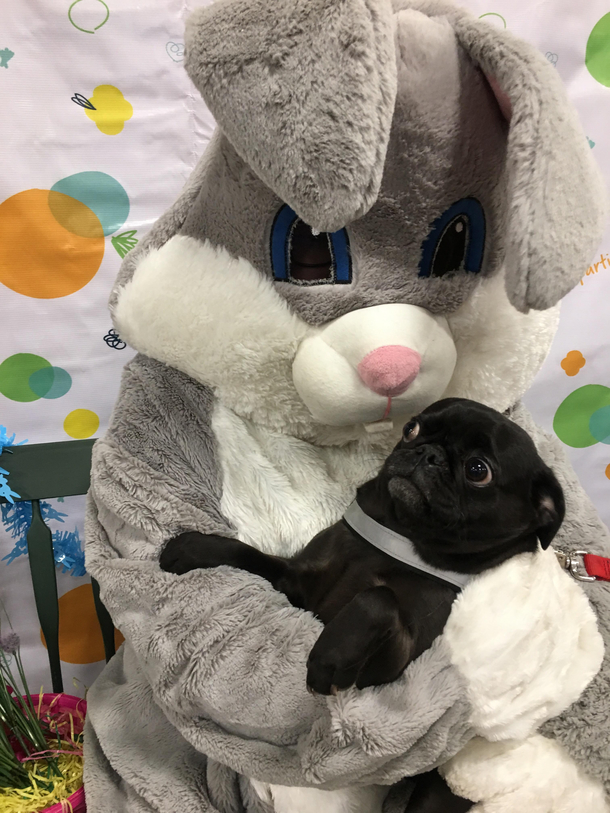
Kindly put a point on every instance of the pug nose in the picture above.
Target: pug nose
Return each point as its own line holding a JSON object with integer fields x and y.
{"x": 389, "y": 370}
{"x": 432, "y": 456}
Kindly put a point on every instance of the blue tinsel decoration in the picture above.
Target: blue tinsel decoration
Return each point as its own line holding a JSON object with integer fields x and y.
{"x": 5, "y": 489}
{"x": 17, "y": 517}
{"x": 5, "y": 442}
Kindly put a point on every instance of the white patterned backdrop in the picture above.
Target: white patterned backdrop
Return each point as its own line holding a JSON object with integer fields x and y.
{"x": 100, "y": 127}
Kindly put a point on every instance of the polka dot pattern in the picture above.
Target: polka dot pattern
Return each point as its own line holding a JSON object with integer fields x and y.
{"x": 81, "y": 423}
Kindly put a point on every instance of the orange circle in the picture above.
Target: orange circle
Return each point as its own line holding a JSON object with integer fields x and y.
{"x": 608, "y": 472}
{"x": 80, "y": 636}
{"x": 48, "y": 252}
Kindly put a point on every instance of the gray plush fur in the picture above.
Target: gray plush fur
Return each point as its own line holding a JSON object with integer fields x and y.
{"x": 548, "y": 159}
{"x": 456, "y": 112}
{"x": 292, "y": 70}
{"x": 373, "y": 115}
{"x": 214, "y": 663}
{"x": 288, "y": 91}
{"x": 446, "y": 126}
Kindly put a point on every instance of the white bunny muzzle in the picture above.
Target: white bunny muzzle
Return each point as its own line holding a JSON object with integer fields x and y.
{"x": 374, "y": 363}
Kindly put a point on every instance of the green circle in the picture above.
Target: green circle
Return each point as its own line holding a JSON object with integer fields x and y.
{"x": 88, "y": 30}
{"x": 599, "y": 425}
{"x": 50, "y": 382}
{"x": 493, "y": 14}
{"x": 597, "y": 56}
{"x": 15, "y": 372}
{"x": 572, "y": 419}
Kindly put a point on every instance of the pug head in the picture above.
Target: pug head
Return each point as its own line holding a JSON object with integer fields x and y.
{"x": 465, "y": 481}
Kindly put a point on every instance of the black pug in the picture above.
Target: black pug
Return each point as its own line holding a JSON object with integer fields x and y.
{"x": 467, "y": 487}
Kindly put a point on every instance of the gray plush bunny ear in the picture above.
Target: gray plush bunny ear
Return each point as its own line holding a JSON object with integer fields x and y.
{"x": 557, "y": 199}
{"x": 304, "y": 90}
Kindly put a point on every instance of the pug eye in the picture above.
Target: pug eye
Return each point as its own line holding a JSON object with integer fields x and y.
{"x": 478, "y": 472}
{"x": 411, "y": 431}
{"x": 304, "y": 257}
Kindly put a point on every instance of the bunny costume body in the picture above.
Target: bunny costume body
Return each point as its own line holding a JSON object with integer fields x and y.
{"x": 458, "y": 202}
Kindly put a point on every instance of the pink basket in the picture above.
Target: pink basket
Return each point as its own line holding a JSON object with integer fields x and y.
{"x": 65, "y": 702}
{"x": 77, "y": 800}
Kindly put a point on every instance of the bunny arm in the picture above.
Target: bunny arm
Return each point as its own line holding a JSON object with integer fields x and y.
{"x": 583, "y": 728}
{"x": 211, "y": 680}
{"x": 218, "y": 655}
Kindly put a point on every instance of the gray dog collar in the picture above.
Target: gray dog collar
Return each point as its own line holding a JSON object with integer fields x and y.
{"x": 397, "y": 546}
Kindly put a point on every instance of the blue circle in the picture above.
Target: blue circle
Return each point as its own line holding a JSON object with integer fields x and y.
{"x": 50, "y": 382}
{"x": 101, "y": 193}
{"x": 599, "y": 425}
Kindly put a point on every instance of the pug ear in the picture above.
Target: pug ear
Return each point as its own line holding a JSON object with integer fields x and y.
{"x": 305, "y": 92}
{"x": 547, "y": 496}
{"x": 557, "y": 199}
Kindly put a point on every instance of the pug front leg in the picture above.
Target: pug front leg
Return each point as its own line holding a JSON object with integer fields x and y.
{"x": 192, "y": 550}
{"x": 433, "y": 795}
{"x": 365, "y": 644}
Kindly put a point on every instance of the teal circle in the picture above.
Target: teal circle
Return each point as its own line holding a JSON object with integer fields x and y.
{"x": 102, "y": 193}
{"x": 599, "y": 425}
{"x": 597, "y": 56}
{"x": 50, "y": 382}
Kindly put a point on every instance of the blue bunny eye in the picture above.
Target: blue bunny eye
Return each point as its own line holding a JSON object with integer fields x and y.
{"x": 456, "y": 241}
{"x": 303, "y": 257}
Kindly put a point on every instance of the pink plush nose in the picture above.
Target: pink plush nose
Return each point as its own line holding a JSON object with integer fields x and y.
{"x": 390, "y": 370}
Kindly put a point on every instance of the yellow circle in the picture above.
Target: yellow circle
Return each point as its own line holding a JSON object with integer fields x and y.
{"x": 111, "y": 111}
{"x": 51, "y": 244}
{"x": 81, "y": 423}
{"x": 80, "y": 637}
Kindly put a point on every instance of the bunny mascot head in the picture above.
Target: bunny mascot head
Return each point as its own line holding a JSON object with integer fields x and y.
{"x": 395, "y": 199}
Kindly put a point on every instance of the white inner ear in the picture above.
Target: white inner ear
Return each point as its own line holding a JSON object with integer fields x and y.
{"x": 548, "y": 503}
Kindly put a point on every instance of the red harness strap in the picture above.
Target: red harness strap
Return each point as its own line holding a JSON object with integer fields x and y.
{"x": 597, "y": 566}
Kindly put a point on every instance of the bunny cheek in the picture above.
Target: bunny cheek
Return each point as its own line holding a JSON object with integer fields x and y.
{"x": 272, "y": 367}
{"x": 269, "y": 365}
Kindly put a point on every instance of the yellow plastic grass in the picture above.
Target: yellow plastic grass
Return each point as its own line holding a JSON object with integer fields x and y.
{"x": 45, "y": 791}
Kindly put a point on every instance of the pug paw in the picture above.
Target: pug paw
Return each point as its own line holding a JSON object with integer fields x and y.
{"x": 328, "y": 673}
{"x": 365, "y": 644}
{"x": 192, "y": 550}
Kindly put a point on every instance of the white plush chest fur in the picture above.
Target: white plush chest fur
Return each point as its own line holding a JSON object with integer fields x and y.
{"x": 279, "y": 491}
